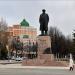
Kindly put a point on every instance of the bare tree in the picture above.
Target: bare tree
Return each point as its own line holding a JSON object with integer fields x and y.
{"x": 3, "y": 35}
{"x": 60, "y": 44}
{"x": 3, "y": 25}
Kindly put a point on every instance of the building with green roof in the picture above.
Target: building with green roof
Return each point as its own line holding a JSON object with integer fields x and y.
{"x": 24, "y": 31}
{"x": 24, "y": 23}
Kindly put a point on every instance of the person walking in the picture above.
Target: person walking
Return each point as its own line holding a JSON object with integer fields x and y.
{"x": 71, "y": 64}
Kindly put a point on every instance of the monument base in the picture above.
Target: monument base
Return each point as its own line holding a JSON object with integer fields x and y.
{"x": 44, "y": 49}
{"x": 42, "y": 62}
{"x": 43, "y": 42}
{"x": 45, "y": 58}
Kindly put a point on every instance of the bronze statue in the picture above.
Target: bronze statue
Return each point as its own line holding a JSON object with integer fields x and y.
{"x": 44, "y": 19}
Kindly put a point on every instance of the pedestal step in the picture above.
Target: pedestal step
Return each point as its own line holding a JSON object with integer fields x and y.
{"x": 46, "y": 56}
{"x": 42, "y": 62}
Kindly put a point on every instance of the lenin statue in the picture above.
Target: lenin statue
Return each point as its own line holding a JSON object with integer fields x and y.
{"x": 44, "y": 19}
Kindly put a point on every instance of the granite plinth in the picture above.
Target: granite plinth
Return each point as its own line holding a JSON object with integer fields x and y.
{"x": 43, "y": 58}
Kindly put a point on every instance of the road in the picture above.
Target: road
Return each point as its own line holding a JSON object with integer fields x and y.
{"x": 36, "y": 72}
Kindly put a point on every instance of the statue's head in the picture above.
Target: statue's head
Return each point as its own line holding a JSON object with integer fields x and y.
{"x": 43, "y": 10}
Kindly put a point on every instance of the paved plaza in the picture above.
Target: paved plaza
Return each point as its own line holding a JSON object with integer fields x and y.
{"x": 18, "y": 69}
{"x": 36, "y": 72}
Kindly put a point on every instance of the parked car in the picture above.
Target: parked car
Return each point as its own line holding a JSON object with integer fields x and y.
{"x": 18, "y": 59}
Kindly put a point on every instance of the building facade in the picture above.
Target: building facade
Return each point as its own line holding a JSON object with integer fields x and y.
{"x": 24, "y": 31}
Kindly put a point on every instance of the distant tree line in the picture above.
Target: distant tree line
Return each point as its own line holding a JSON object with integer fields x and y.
{"x": 61, "y": 46}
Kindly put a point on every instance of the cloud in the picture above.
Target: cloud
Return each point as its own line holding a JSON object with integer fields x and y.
{"x": 61, "y": 13}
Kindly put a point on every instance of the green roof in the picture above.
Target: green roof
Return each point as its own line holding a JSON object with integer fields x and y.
{"x": 24, "y": 23}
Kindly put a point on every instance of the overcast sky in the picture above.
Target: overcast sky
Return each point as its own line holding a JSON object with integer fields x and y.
{"x": 61, "y": 12}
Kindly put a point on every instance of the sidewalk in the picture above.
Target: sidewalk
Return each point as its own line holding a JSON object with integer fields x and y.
{"x": 19, "y": 66}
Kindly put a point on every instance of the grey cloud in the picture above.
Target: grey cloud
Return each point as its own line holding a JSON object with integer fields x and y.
{"x": 62, "y": 13}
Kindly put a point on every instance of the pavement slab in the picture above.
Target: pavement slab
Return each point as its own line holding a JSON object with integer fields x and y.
{"x": 36, "y": 72}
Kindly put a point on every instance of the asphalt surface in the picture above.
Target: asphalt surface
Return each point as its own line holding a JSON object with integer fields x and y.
{"x": 36, "y": 72}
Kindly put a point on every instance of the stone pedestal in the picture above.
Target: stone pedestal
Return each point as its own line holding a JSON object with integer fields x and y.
{"x": 44, "y": 43}
{"x": 43, "y": 59}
